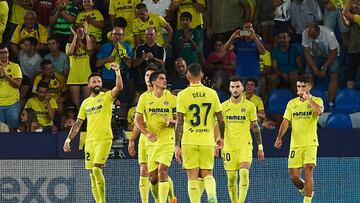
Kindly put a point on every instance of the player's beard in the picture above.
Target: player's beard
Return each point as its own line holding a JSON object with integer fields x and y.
{"x": 96, "y": 90}
{"x": 235, "y": 96}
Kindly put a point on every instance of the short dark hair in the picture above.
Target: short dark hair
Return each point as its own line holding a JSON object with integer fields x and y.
{"x": 141, "y": 6}
{"x": 305, "y": 79}
{"x": 252, "y": 79}
{"x": 53, "y": 38}
{"x": 93, "y": 75}
{"x": 195, "y": 69}
{"x": 3, "y": 46}
{"x": 155, "y": 75}
{"x": 42, "y": 84}
{"x": 150, "y": 68}
{"x": 186, "y": 15}
{"x": 44, "y": 63}
{"x": 315, "y": 26}
{"x": 235, "y": 78}
{"x": 33, "y": 41}
{"x": 120, "y": 22}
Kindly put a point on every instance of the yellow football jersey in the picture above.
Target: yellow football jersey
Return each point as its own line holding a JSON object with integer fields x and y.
{"x": 57, "y": 85}
{"x": 303, "y": 122}
{"x": 187, "y": 6}
{"x": 238, "y": 118}
{"x": 98, "y": 111}
{"x": 154, "y": 110}
{"x": 4, "y": 12}
{"x": 79, "y": 66}
{"x": 96, "y": 16}
{"x": 265, "y": 60}
{"x": 39, "y": 32}
{"x": 259, "y": 104}
{"x": 156, "y": 21}
{"x": 41, "y": 110}
{"x": 9, "y": 94}
{"x": 199, "y": 105}
{"x": 131, "y": 115}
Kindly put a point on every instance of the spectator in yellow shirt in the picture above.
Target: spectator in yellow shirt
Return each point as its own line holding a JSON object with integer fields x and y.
{"x": 10, "y": 81}
{"x": 30, "y": 28}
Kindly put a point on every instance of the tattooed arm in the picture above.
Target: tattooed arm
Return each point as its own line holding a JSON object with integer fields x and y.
{"x": 257, "y": 133}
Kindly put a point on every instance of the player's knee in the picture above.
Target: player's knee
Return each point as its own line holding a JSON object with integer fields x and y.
{"x": 144, "y": 170}
{"x": 153, "y": 178}
{"x": 294, "y": 176}
{"x": 308, "y": 168}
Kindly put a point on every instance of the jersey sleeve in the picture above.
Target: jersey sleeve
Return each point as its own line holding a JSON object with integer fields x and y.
{"x": 16, "y": 35}
{"x": 319, "y": 101}
{"x": 288, "y": 113}
{"x": 252, "y": 112}
{"x": 217, "y": 104}
{"x": 162, "y": 21}
{"x": 82, "y": 112}
{"x": 140, "y": 108}
{"x": 179, "y": 103}
{"x": 53, "y": 104}
{"x": 17, "y": 74}
{"x": 112, "y": 7}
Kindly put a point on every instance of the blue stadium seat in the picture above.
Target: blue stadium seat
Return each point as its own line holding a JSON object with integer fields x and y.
{"x": 318, "y": 92}
{"x": 278, "y": 100}
{"x": 347, "y": 101}
{"x": 339, "y": 120}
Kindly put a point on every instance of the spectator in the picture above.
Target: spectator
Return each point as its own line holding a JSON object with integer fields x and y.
{"x": 221, "y": 60}
{"x": 286, "y": 62}
{"x": 148, "y": 54}
{"x": 281, "y": 15}
{"x": 333, "y": 17}
{"x": 125, "y": 9}
{"x": 56, "y": 82}
{"x": 28, "y": 122}
{"x": 352, "y": 13}
{"x": 145, "y": 20}
{"x": 30, "y": 28}
{"x": 178, "y": 81}
{"x": 303, "y": 12}
{"x": 95, "y": 22}
{"x": 10, "y": 81}
{"x": 69, "y": 117}
{"x": 186, "y": 40}
{"x": 119, "y": 51}
{"x": 58, "y": 58}
{"x": 321, "y": 50}
{"x": 30, "y": 65}
{"x": 4, "y": 13}
{"x": 79, "y": 51}
{"x": 44, "y": 10}
{"x": 248, "y": 47}
{"x": 18, "y": 10}
{"x": 249, "y": 94}
{"x": 62, "y": 19}
{"x": 265, "y": 73}
{"x": 264, "y": 19}
{"x": 45, "y": 107}
{"x": 222, "y": 23}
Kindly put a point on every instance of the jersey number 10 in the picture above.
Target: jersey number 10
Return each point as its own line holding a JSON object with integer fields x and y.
{"x": 196, "y": 119}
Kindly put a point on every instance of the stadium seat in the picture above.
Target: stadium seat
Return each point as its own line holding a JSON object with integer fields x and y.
{"x": 339, "y": 120}
{"x": 278, "y": 100}
{"x": 317, "y": 92}
{"x": 347, "y": 101}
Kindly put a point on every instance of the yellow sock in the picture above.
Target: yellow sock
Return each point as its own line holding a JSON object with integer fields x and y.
{"x": 193, "y": 191}
{"x": 244, "y": 184}
{"x": 210, "y": 187}
{"x": 307, "y": 199}
{"x": 100, "y": 183}
{"x": 163, "y": 191}
{"x": 155, "y": 191}
{"x": 232, "y": 184}
{"x": 93, "y": 187}
{"x": 144, "y": 189}
{"x": 171, "y": 189}
{"x": 201, "y": 186}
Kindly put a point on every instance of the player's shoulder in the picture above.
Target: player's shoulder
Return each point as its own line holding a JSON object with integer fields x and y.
{"x": 316, "y": 99}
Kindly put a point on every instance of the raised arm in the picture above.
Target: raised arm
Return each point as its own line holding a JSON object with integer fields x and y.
{"x": 119, "y": 83}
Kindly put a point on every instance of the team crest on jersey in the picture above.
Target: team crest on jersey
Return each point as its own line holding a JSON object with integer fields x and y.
{"x": 243, "y": 110}
{"x": 129, "y": 1}
{"x": 55, "y": 83}
{"x": 99, "y": 100}
{"x": 166, "y": 103}
{"x": 8, "y": 70}
{"x": 309, "y": 106}
{"x": 151, "y": 22}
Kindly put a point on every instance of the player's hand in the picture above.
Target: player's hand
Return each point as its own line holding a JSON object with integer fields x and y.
{"x": 260, "y": 154}
{"x": 66, "y": 146}
{"x": 115, "y": 66}
{"x": 151, "y": 136}
{"x": 235, "y": 35}
{"x": 278, "y": 143}
{"x": 178, "y": 154}
{"x": 131, "y": 148}
{"x": 219, "y": 143}
{"x": 305, "y": 95}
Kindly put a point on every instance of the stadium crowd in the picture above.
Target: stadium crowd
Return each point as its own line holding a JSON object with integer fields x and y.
{"x": 50, "y": 47}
